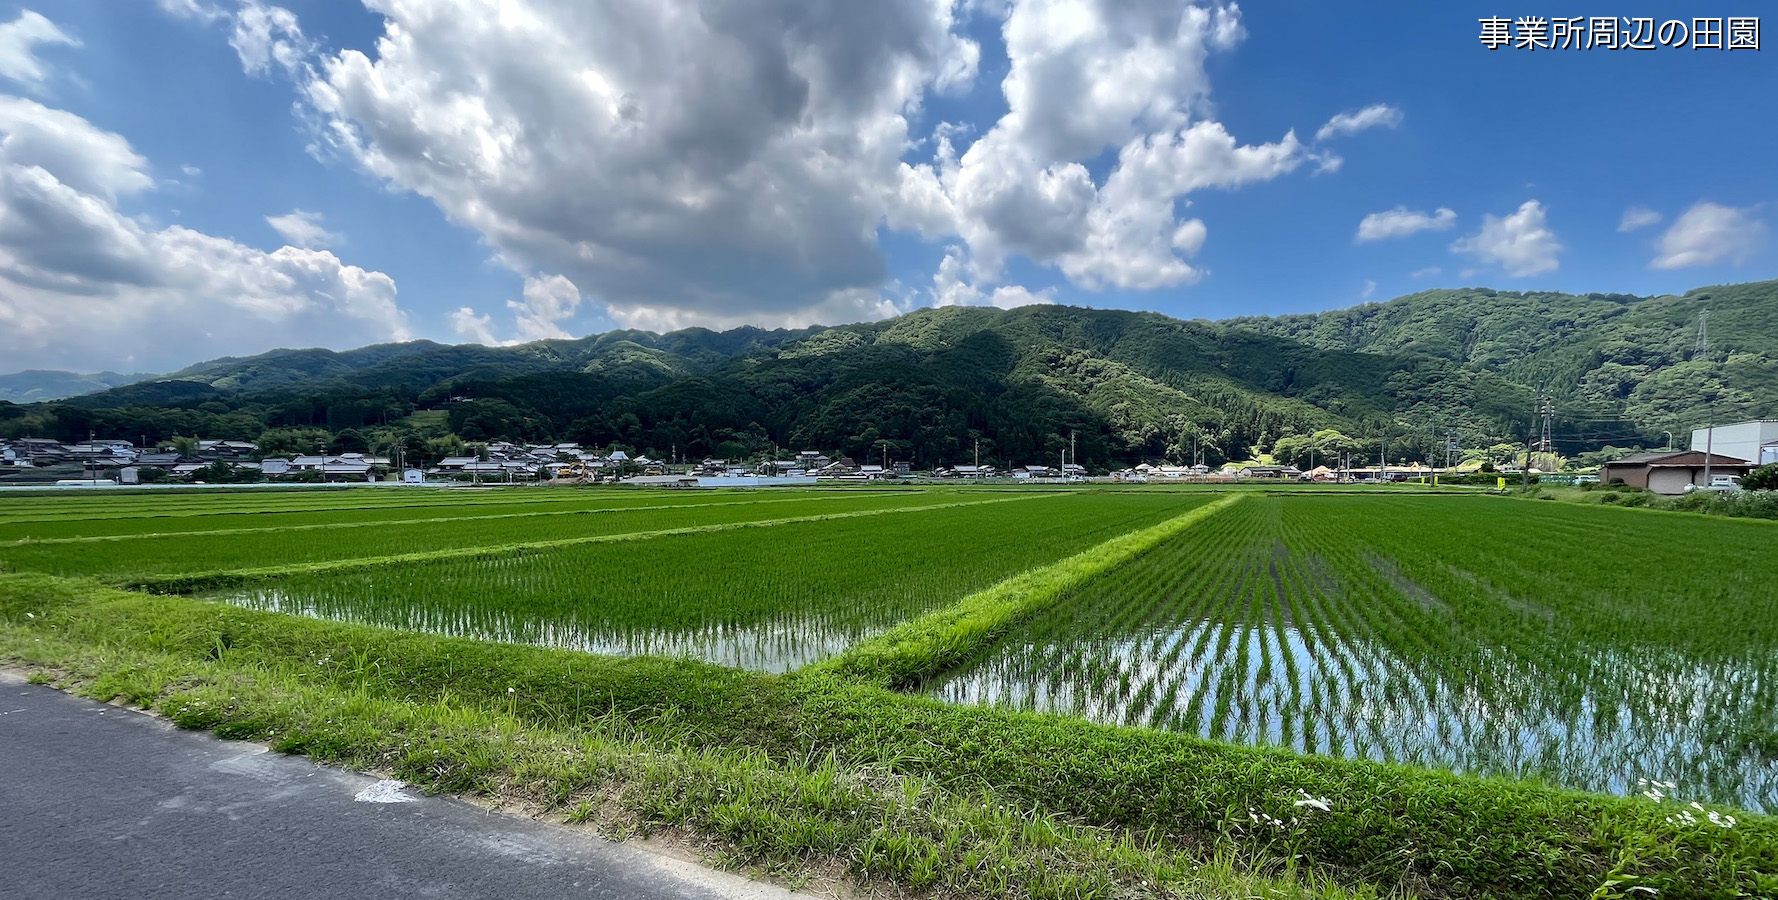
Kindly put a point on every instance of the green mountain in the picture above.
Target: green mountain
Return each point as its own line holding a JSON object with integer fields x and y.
{"x": 1602, "y": 355}
{"x": 935, "y": 384}
{"x": 39, "y": 385}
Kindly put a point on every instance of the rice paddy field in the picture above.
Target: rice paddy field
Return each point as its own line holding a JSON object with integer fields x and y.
{"x": 1592, "y": 648}
{"x": 1588, "y": 648}
{"x": 760, "y": 580}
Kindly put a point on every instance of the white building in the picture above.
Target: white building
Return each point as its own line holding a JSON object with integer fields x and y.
{"x": 1743, "y": 440}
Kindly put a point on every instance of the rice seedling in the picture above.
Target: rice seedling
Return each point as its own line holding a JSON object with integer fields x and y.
{"x": 1581, "y": 646}
{"x": 763, "y": 598}
{"x": 137, "y": 515}
{"x": 350, "y": 536}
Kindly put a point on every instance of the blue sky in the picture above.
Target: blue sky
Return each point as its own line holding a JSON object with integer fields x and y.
{"x": 190, "y": 178}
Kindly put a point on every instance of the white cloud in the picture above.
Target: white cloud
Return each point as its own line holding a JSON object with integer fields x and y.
{"x": 1708, "y": 234}
{"x": 1638, "y": 217}
{"x": 268, "y": 35}
{"x": 699, "y": 164}
{"x": 1381, "y": 115}
{"x": 1013, "y": 296}
{"x": 749, "y": 182}
{"x": 83, "y": 286}
{"x": 19, "y": 40}
{"x": 262, "y": 36}
{"x": 191, "y": 171}
{"x": 476, "y": 329}
{"x": 1370, "y": 287}
{"x": 549, "y": 301}
{"x": 198, "y": 10}
{"x": 1085, "y": 78}
{"x": 1402, "y": 222}
{"x": 1428, "y": 272}
{"x": 1521, "y": 243}
{"x": 303, "y": 229}
{"x": 951, "y": 286}
{"x": 729, "y": 163}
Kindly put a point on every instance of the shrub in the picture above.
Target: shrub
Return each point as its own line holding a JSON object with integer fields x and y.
{"x": 1764, "y": 478}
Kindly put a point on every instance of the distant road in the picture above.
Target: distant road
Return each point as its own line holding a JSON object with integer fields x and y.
{"x": 102, "y": 802}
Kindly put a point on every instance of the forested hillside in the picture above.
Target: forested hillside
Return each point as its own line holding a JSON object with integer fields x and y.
{"x": 38, "y": 385}
{"x": 930, "y": 385}
{"x": 1603, "y": 356}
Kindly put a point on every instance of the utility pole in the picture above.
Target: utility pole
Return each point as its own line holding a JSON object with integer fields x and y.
{"x": 1549, "y": 412}
{"x": 1709, "y": 442}
{"x": 1383, "y": 457}
{"x": 1071, "y": 451}
{"x": 978, "y": 456}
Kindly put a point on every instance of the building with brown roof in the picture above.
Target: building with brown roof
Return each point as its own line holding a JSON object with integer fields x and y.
{"x": 1670, "y": 472}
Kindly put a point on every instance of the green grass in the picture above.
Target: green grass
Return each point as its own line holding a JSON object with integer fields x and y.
{"x": 803, "y": 772}
{"x": 1587, "y": 647}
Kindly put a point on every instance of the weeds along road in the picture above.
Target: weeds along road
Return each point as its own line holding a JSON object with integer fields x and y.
{"x": 98, "y": 801}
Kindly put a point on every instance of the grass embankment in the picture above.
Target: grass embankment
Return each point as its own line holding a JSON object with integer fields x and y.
{"x": 1729, "y": 504}
{"x": 926, "y": 646}
{"x": 633, "y": 745}
{"x": 814, "y": 771}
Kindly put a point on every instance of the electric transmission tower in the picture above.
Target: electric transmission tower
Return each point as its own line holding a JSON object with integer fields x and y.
{"x": 1703, "y": 349}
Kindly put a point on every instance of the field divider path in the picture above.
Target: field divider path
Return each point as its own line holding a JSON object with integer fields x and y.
{"x": 920, "y": 648}
{"x": 384, "y": 523}
{"x": 192, "y": 582}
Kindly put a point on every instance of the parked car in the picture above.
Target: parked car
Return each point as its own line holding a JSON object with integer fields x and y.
{"x": 1717, "y": 483}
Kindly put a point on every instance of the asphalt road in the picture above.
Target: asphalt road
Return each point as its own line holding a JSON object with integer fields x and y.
{"x": 98, "y": 801}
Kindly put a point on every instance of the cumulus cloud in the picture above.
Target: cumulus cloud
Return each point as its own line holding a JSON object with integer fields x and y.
{"x": 952, "y": 286}
{"x": 84, "y": 286}
{"x": 706, "y": 163}
{"x": 473, "y": 327}
{"x": 19, "y": 40}
{"x": 303, "y": 229}
{"x": 1638, "y": 217}
{"x": 549, "y": 301}
{"x": 1370, "y": 287}
{"x": 1428, "y": 272}
{"x": 1086, "y": 78}
{"x": 1708, "y": 234}
{"x": 264, "y": 36}
{"x": 698, "y": 163}
{"x": 1521, "y": 243}
{"x": 1402, "y": 222}
{"x": 1381, "y": 115}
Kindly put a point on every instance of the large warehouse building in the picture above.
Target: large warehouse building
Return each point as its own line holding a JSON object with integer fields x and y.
{"x": 1751, "y": 441}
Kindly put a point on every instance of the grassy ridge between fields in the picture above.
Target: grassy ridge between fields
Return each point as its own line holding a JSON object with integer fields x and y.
{"x": 814, "y": 771}
{"x": 926, "y": 646}
{"x": 192, "y": 582}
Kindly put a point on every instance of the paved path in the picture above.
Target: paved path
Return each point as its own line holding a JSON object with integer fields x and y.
{"x": 98, "y": 802}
